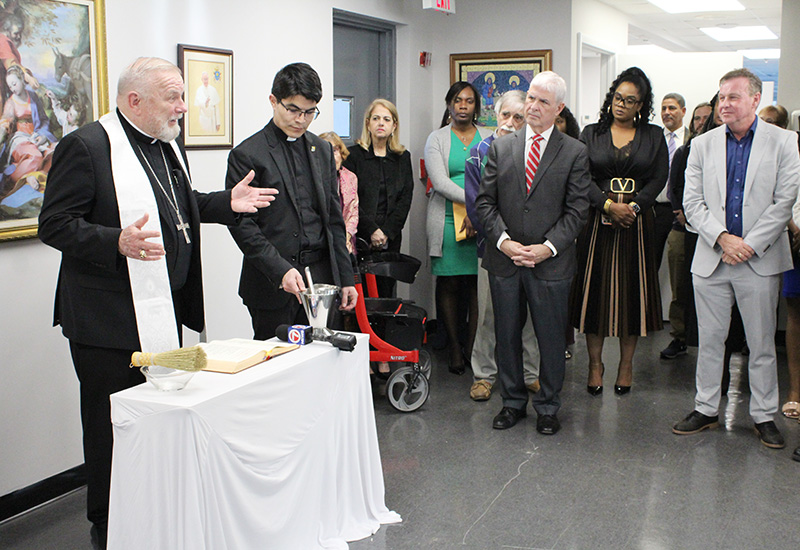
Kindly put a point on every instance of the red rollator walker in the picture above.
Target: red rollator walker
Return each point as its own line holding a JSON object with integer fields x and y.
{"x": 396, "y": 328}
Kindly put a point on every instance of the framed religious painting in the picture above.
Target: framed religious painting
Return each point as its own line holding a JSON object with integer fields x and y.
{"x": 495, "y": 73}
{"x": 208, "y": 74}
{"x": 54, "y": 79}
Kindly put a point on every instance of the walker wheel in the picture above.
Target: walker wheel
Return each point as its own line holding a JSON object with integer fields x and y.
{"x": 407, "y": 389}
{"x": 425, "y": 363}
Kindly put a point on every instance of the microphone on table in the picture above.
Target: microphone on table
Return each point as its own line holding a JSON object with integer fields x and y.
{"x": 305, "y": 334}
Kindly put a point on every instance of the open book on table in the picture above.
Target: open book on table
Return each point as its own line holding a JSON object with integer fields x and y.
{"x": 237, "y": 354}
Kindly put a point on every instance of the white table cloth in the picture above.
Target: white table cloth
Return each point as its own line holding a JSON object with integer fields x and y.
{"x": 283, "y": 455}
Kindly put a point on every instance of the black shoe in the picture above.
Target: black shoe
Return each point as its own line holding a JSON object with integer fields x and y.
{"x": 457, "y": 369}
{"x": 507, "y": 417}
{"x": 796, "y": 454}
{"x": 769, "y": 435}
{"x": 547, "y": 424}
{"x": 674, "y": 349}
{"x": 596, "y": 390}
{"x": 621, "y": 390}
{"x": 695, "y": 422}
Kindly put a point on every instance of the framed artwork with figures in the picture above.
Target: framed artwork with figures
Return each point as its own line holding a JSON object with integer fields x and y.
{"x": 495, "y": 73}
{"x": 54, "y": 80}
{"x": 208, "y": 74}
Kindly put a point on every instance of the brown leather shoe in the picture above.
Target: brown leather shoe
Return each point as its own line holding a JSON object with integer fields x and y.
{"x": 534, "y": 386}
{"x": 481, "y": 390}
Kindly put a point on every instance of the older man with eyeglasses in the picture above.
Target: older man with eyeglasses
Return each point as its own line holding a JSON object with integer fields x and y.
{"x": 306, "y": 229}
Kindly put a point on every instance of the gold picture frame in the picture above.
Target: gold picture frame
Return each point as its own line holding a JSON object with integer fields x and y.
{"x": 208, "y": 74}
{"x": 494, "y": 73}
{"x": 59, "y": 50}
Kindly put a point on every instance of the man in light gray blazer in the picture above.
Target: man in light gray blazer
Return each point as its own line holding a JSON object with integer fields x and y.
{"x": 533, "y": 202}
{"x": 741, "y": 182}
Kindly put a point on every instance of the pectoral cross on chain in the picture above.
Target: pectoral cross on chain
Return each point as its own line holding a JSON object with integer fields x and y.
{"x": 183, "y": 226}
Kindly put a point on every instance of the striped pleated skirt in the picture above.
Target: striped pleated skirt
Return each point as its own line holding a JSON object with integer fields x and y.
{"x": 616, "y": 291}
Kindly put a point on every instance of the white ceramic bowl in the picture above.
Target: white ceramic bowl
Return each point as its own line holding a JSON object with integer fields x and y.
{"x": 166, "y": 379}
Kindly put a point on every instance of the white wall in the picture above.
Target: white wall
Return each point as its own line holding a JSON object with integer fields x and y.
{"x": 604, "y": 28}
{"x": 39, "y": 423}
{"x": 592, "y": 91}
{"x": 693, "y": 75}
{"x": 789, "y": 89}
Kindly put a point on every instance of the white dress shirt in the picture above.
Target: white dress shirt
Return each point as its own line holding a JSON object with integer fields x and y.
{"x": 679, "y": 135}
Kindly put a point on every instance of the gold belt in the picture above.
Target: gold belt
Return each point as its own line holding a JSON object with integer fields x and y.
{"x": 623, "y": 185}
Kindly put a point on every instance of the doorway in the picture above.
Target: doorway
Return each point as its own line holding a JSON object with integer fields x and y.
{"x": 595, "y": 73}
{"x": 363, "y": 69}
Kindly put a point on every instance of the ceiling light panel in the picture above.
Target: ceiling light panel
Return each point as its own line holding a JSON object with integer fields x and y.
{"x": 739, "y": 34}
{"x": 693, "y": 6}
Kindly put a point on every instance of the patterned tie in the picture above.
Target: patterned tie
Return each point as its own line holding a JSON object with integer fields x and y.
{"x": 533, "y": 161}
{"x": 671, "y": 146}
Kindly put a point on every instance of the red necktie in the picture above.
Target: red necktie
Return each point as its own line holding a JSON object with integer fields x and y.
{"x": 533, "y": 161}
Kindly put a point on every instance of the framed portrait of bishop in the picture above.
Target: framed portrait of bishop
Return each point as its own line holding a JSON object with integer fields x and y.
{"x": 208, "y": 74}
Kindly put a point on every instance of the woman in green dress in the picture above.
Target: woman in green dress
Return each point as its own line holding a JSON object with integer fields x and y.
{"x": 451, "y": 238}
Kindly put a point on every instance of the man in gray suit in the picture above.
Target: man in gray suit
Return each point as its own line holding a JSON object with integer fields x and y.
{"x": 741, "y": 183}
{"x": 533, "y": 203}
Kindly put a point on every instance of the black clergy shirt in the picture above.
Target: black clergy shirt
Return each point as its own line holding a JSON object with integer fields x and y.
{"x": 178, "y": 251}
{"x": 302, "y": 183}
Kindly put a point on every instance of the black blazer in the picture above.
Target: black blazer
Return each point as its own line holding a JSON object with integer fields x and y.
{"x": 556, "y": 208}
{"x": 648, "y": 163}
{"x": 270, "y": 239}
{"x": 80, "y": 217}
{"x": 399, "y": 189}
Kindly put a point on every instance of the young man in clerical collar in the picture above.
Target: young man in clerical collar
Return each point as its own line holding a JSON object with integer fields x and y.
{"x": 306, "y": 228}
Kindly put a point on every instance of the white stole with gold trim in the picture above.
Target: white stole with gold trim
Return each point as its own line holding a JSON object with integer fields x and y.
{"x": 152, "y": 295}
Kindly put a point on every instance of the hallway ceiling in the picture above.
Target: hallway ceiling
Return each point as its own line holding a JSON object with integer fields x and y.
{"x": 680, "y": 32}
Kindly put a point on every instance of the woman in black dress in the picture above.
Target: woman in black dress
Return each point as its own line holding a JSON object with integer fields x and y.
{"x": 385, "y": 182}
{"x": 616, "y": 290}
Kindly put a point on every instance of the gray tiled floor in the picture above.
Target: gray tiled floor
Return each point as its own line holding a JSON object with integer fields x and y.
{"x": 615, "y": 477}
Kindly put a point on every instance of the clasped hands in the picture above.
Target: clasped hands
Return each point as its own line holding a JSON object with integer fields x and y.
{"x": 293, "y": 283}
{"x": 622, "y": 214}
{"x": 525, "y": 255}
{"x": 133, "y": 241}
{"x": 734, "y": 249}
{"x": 378, "y": 239}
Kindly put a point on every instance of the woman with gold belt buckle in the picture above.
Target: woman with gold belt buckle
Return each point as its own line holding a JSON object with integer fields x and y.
{"x": 616, "y": 290}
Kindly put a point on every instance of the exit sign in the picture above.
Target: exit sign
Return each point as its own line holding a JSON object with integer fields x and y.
{"x": 447, "y": 6}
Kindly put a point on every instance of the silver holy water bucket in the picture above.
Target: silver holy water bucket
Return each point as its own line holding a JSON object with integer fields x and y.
{"x": 319, "y": 304}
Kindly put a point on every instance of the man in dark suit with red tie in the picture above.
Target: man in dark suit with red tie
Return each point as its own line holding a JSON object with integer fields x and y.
{"x": 533, "y": 203}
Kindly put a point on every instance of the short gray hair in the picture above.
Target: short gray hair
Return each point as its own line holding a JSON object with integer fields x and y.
{"x": 553, "y": 83}
{"x": 754, "y": 83}
{"x": 677, "y": 97}
{"x": 511, "y": 96}
{"x": 138, "y": 75}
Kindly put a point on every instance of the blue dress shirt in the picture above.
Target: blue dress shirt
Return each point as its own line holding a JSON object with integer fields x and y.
{"x": 738, "y": 155}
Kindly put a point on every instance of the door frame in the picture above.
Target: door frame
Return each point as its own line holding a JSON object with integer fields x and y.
{"x": 608, "y": 59}
{"x": 387, "y": 40}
